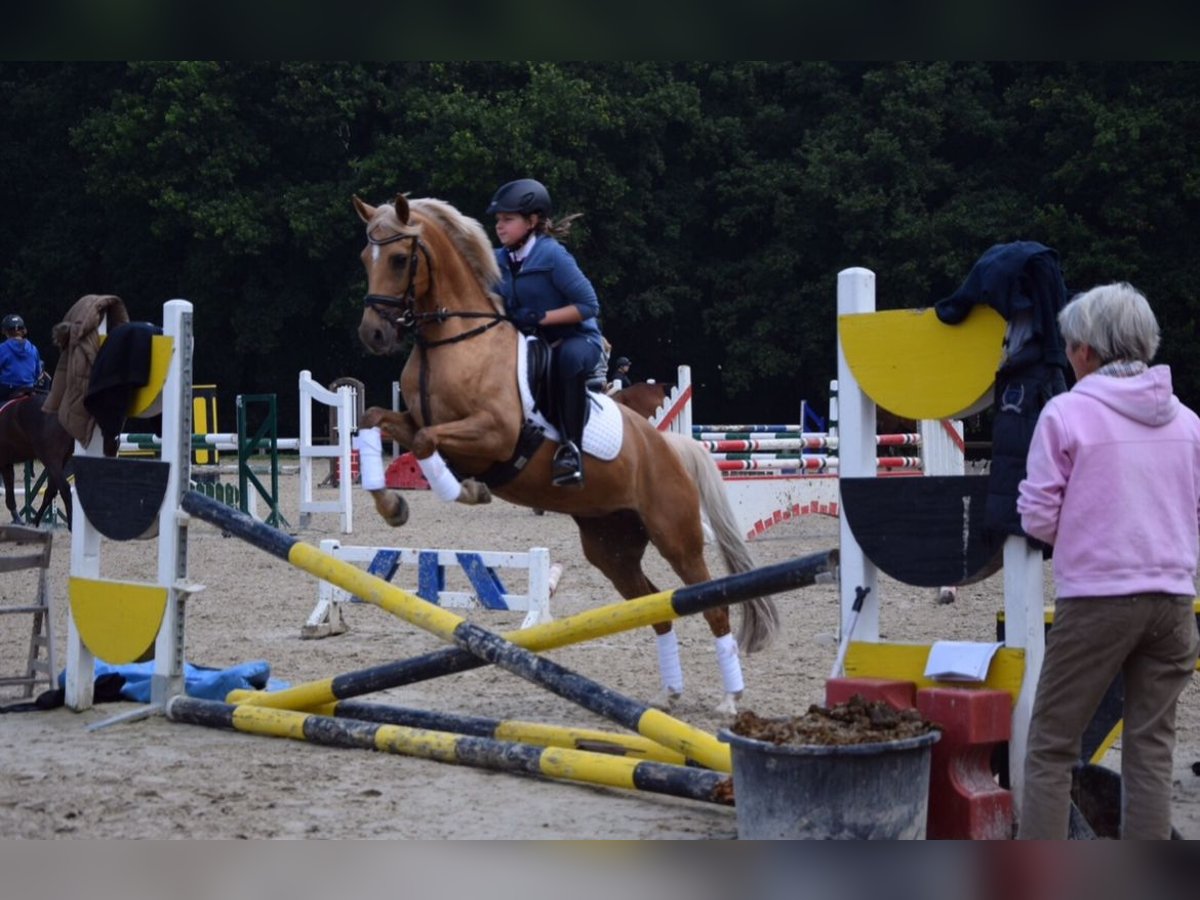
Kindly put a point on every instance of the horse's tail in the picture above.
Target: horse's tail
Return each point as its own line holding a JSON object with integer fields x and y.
{"x": 760, "y": 617}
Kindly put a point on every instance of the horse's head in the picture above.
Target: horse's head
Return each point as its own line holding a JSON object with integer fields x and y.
{"x": 425, "y": 263}
{"x": 395, "y": 276}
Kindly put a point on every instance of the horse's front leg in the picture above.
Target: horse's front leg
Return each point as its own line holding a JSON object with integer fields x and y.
{"x": 402, "y": 428}
{"x": 399, "y": 427}
{"x": 477, "y": 435}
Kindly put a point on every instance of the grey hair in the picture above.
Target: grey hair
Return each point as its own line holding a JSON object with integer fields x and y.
{"x": 1115, "y": 320}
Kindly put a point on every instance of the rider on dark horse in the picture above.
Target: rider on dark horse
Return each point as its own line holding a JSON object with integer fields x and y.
{"x": 545, "y": 293}
{"x": 20, "y": 364}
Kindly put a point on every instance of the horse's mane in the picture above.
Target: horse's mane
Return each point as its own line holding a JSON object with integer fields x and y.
{"x": 471, "y": 240}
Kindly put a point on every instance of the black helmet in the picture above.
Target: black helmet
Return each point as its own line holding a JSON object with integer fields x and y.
{"x": 622, "y": 361}
{"x": 524, "y": 196}
{"x": 12, "y": 322}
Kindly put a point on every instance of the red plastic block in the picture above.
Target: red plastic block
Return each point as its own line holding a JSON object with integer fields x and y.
{"x": 965, "y": 802}
{"x": 355, "y": 470}
{"x": 404, "y": 473}
{"x": 900, "y": 694}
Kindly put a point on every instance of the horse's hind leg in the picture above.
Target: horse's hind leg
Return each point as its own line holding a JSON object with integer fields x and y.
{"x": 47, "y": 499}
{"x": 615, "y": 544}
{"x": 678, "y": 536}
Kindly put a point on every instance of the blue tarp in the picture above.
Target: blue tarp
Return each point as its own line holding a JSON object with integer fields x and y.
{"x": 199, "y": 681}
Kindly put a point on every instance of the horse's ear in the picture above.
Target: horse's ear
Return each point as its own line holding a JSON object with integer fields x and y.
{"x": 401, "y": 204}
{"x": 365, "y": 212}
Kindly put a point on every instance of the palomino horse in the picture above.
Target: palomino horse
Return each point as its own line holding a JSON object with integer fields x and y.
{"x": 644, "y": 397}
{"x": 430, "y": 271}
{"x": 28, "y": 434}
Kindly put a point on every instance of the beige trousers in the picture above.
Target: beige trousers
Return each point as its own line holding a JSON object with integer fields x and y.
{"x": 1152, "y": 640}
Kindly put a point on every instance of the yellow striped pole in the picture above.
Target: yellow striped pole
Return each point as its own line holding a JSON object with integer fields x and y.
{"x": 516, "y": 730}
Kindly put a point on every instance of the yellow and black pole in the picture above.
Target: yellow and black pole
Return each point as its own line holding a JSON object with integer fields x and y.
{"x": 550, "y": 762}
{"x": 517, "y": 731}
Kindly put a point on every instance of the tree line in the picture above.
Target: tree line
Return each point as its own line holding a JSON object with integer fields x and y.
{"x": 719, "y": 200}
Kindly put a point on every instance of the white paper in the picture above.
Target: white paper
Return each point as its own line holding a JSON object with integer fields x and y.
{"x": 960, "y": 660}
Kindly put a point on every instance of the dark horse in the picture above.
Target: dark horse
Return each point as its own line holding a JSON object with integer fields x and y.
{"x": 26, "y": 435}
{"x": 644, "y": 397}
{"x": 431, "y": 271}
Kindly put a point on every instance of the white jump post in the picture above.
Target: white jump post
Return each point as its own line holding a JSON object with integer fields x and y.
{"x": 167, "y": 679}
{"x": 1024, "y": 627}
{"x": 1023, "y": 588}
{"x": 343, "y": 401}
{"x": 856, "y": 459}
{"x": 395, "y": 408}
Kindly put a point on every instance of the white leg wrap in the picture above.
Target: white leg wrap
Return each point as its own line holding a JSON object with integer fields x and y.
{"x": 668, "y": 662}
{"x": 441, "y": 480}
{"x": 369, "y": 443}
{"x": 731, "y": 666}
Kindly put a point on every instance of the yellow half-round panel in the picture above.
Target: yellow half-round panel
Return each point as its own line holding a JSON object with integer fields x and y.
{"x": 914, "y": 365}
{"x": 117, "y": 620}
{"x": 146, "y": 400}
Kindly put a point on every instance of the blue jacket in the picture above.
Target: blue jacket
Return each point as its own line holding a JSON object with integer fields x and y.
{"x": 20, "y": 364}
{"x": 550, "y": 278}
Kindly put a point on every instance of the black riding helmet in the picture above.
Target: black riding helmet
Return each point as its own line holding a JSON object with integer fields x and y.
{"x": 524, "y": 196}
{"x": 12, "y": 322}
{"x": 622, "y": 361}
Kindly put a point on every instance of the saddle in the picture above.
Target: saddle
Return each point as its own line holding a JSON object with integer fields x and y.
{"x": 22, "y": 393}
{"x": 27, "y": 391}
{"x": 538, "y": 376}
{"x": 534, "y": 368}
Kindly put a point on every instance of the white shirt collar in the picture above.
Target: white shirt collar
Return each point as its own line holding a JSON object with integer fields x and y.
{"x": 521, "y": 252}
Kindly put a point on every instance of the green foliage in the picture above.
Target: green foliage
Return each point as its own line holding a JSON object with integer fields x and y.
{"x": 720, "y": 200}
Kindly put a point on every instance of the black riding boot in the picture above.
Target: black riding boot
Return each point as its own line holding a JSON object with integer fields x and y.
{"x": 567, "y": 469}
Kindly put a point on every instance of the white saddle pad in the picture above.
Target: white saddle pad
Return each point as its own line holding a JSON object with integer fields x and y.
{"x": 605, "y": 427}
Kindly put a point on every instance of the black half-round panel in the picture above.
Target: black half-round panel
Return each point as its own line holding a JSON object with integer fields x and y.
{"x": 924, "y": 530}
{"x": 121, "y": 497}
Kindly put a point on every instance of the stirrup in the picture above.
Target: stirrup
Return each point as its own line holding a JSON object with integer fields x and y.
{"x": 567, "y": 468}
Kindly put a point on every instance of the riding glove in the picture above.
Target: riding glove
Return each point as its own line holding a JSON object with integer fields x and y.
{"x": 527, "y": 319}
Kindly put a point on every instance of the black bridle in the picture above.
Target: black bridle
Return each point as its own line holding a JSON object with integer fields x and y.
{"x": 401, "y": 312}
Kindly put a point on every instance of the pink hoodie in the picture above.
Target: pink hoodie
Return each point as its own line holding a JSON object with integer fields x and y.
{"x": 1113, "y": 482}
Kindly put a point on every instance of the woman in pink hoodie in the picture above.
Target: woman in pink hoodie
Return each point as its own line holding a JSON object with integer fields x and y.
{"x": 1113, "y": 483}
